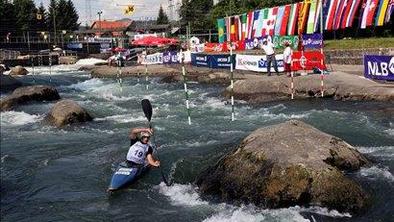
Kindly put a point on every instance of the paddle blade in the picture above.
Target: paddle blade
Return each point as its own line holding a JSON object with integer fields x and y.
{"x": 147, "y": 108}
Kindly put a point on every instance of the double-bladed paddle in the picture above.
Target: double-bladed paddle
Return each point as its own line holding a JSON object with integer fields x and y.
{"x": 147, "y": 108}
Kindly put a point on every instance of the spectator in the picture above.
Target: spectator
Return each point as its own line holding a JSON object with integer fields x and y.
{"x": 287, "y": 58}
{"x": 268, "y": 48}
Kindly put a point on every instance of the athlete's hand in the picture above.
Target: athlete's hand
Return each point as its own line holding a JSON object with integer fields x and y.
{"x": 157, "y": 163}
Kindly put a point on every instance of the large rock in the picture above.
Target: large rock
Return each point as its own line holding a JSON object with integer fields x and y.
{"x": 8, "y": 83}
{"x": 18, "y": 70}
{"x": 27, "y": 94}
{"x": 67, "y": 112}
{"x": 288, "y": 164}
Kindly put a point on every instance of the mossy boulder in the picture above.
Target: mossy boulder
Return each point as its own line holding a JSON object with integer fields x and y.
{"x": 288, "y": 164}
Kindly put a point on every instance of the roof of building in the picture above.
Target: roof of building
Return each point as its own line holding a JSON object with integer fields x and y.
{"x": 108, "y": 25}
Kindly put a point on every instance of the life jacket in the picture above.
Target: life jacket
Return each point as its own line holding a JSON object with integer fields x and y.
{"x": 137, "y": 153}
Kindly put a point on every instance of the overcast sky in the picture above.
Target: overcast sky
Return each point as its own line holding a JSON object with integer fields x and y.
{"x": 113, "y": 9}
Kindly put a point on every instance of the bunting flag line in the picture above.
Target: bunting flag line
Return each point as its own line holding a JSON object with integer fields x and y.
{"x": 285, "y": 20}
{"x": 279, "y": 19}
{"x": 293, "y": 19}
{"x": 381, "y": 12}
{"x": 310, "y": 29}
{"x": 269, "y": 22}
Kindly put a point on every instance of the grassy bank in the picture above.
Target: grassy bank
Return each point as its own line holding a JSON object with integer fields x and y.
{"x": 359, "y": 43}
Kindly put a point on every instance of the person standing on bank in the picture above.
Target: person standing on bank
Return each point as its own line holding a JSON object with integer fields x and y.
{"x": 268, "y": 48}
{"x": 287, "y": 58}
{"x": 140, "y": 150}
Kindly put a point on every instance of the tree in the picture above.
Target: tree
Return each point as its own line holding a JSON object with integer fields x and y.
{"x": 25, "y": 11}
{"x": 197, "y": 13}
{"x": 162, "y": 18}
{"x": 52, "y": 14}
{"x": 41, "y": 24}
{"x": 7, "y": 18}
{"x": 72, "y": 15}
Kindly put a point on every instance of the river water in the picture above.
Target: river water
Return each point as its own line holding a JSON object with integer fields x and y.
{"x": 50, "y": 174}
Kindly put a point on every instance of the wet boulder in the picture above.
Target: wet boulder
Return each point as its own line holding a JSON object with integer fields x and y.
{"x": 67, "y": 112}
{"x": 288, "y": 164}
{"x": 19, "y": 71}
{"x": 27, "y": 94}
{"x": 8, "y": 83}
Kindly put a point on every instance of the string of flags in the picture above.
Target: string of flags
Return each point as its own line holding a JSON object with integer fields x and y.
{"x": 304, "y": 17}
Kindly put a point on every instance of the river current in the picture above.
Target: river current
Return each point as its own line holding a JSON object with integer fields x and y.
{"x": 51, "y": 174}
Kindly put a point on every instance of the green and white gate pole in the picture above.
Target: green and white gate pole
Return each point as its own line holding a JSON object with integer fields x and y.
{"x": 232, "y": 82}
{"x": 185, "y": 88}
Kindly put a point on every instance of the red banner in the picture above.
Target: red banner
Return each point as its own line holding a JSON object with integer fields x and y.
{"x": 307, "y": 60}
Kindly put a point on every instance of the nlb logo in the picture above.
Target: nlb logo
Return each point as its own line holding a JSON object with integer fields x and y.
{"x": 381, "y": 68}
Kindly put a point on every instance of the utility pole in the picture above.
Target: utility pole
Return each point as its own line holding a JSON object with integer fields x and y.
{"x": 54, "y": 25}
{"x": 99, "y": 14}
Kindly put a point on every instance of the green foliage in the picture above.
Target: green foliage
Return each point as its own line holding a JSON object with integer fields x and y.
{"x": 197, "y": 13}
{"x": 64, "y": 14}
{"x": 7, "y": 18}
{"x": 25, "y": 11}
{"x": 41, "y": 24}
{"x": 162, "y": 18}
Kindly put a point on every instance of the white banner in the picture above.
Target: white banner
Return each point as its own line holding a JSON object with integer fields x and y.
{"x": 140, "y": 36}
{"x": 257, "y": 63}
{"x": 156, "y": 58}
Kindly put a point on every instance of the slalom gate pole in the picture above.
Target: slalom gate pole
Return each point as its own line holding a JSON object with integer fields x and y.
{"x": 292, "y": 81}
{"x": 32, "y": 68}
{"x": 232, "y": 82}
{"x": 50, "y": 67}
{"x": 119, "y": 75}
{"x": 146, "y": 69}
{"x": 321, "y": 50}
{"x": 185, "y": 88}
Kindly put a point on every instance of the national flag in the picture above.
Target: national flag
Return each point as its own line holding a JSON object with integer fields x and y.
{"x": 221, "y": 25}
{"x": 346, "y": 13}
{"x": 372, "y": 11}
{"x": 303, "y": 17}
{"x": 317, "y": 16}
{"x": 269, "y": 23}
{"x": 339, "y": 13}
{"x": 291, "y": 26}
{"x": 330, "y": 15}
{"x": 233, "y": 32}
{"x": 238, "y": 31}
{"x": 285, "y": 20}
{"x": 310, "y": 29}
{"x": 243, "y": 21}
{"x": 249, "y": 26}
{"x": 381, "y": 12}
{"x": 255, "y": 22}
{"x": 353, "y": 10}
{"x": 389, "y": 11}
{"x": 279, "y": 19}
{"x": 262, "y": 15}
{"x": 368, "y": 13}
{"x": 228, "y": 28}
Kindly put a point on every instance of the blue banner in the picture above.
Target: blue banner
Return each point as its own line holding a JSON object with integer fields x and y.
{"x": 379, "y": 67}
{"x": 170, "y": 57}
{"x": 312, "y": 41}
{"x": 213, "y": 61}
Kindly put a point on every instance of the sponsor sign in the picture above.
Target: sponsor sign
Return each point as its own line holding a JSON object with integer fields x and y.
{"x": 141, "y": 36}
{"x": 156, "y": 58}
{"x": 200, "y": 60}
{"x": 307, "y": 60}
{"x": 257, "y": 63}
{"x": 74, "y": 45}
{"x": 312, "y": 41}
{"x": 220, "y": 61}
{"x": 379, "y": 67}
{"x": 170, "y": 57}
{"x": 279, "y": 41}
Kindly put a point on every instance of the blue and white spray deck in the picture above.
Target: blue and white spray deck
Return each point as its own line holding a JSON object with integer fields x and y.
{"x": 51, "y": 174}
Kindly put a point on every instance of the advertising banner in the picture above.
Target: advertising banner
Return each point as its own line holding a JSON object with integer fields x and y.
{"x": 279, "y": 41}
{"x": 170, "y": 57}
{"x": 307, "y": 60}
{"x": 257, "y": 63}
{"x": 379, "y": 67}
{"x": 312, "y": 41}
{"x": 74, "y": 45}
{"x": 200, "y": 60}
{"x": 220, "y": 61}
{"x": 156, "y": 58}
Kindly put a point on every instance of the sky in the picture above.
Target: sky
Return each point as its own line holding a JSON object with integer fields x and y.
{"x": 113, "y": 9}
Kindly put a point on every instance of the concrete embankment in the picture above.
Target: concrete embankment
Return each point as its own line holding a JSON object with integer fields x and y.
{"x": 259, "y": 88}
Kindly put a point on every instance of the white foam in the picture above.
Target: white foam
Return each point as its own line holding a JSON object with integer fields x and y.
{"x": 390, "y": 132}
{"x": 181, "y": 195}
{"x": 14, "y": 118}
{"x": 89, "y": 61}
{"x": 199, "y": 144}
{"x": 87, "y": 85}
{"x": 375, "y": 172}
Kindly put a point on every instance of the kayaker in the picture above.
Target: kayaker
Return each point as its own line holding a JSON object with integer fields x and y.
{"x": 140, "y": 150}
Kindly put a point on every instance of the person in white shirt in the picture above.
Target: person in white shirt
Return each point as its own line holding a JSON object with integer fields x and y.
{"x": 268, "y": 48}
{"x": 287, "y": 58}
